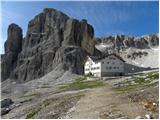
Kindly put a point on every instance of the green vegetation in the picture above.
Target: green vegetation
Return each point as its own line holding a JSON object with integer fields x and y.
{"x": 146, "y": 78}
{"x": 47, "y": 102}
{"x": 32, "y": 113}
{"x": 32, "y": 95}
{"x": 44, "y": 86}
{"x": 78, "y": 85}
{"x": 139, "y": 82}
{"x": 88, "y": 75}
{"x": 153, "y": 75}
{"x": 82, "y": 83}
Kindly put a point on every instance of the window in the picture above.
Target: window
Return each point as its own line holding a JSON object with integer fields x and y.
{"x": 97, "y": 67}
{"x": 113, "y": 63}
{"x": 110, "y": 67}
{"x": 106, "y": 67}
{"x": 102, "y": 62}
{"x": 107, "y": 62}
{"x": 93, "y": 68}
{"x": 114, "y": 67}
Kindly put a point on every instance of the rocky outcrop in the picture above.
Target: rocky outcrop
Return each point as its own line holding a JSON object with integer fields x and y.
{"x": 13, "y": 47}
{"x": 53, "y": 40}
{"x": 120, "y": 41}
{"x": 5, "y": 103}
{"x": 153, "y": 40}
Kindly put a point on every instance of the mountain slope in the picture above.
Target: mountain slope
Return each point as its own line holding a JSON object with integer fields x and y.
{"x": 140, "y": 51}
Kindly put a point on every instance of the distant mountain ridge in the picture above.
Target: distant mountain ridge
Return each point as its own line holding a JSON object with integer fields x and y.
{"x": 124, "y": 41}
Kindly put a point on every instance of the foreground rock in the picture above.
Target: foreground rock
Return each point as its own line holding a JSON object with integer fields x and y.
{"x": 5, "y": 111}
{"x": 6, "y": 103}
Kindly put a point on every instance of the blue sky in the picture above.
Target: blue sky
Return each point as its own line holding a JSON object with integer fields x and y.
{"x": 107, "y": 18}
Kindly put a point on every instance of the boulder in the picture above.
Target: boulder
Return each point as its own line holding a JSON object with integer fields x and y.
{"x": 5, "y": 111}
{"x": 5, "y": 103}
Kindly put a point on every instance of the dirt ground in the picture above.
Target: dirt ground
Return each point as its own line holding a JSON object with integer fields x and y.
{"x": 105, "y": 103}
{"x": 102, "y": 102}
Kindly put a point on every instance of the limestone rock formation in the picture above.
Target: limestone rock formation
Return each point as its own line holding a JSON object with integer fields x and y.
{"x": 13, "y": 47}
{"x": 124, "y": 41}
{"x": 52, "y": 40}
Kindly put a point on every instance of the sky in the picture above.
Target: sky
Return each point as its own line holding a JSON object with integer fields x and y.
{"x": 107, "y": 18}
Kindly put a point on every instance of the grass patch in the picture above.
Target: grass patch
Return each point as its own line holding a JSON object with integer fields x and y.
{"x": 32, "y": 114}
{"x": 127, "y": 88}
{"x": 32, "y": 95}
{"x": 82, "y": 78}
{"x": 146, "y": 78}
{"x": 48, "y": 102}
{"x": 153, "y": 75}
{"x": 140, "y": 82}
{"x": 44, "y": 86}
{"x": 81, "y": 83}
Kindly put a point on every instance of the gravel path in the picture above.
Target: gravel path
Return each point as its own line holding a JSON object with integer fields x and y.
{"x": 104, "y": 103}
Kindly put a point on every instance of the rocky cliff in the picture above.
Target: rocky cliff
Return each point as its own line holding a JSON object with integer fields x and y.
{"x": 13, "y": 47}
{"x": 53, "y": 41}
{"x": 124, "y": 41}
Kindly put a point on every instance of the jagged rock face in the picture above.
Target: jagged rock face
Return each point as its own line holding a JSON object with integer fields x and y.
{"x": 70, "y": 58}
{"x": 120, "y": 41}
{"x": 153, "y": 40}
{"x": 14, "y": 40}
{"x": 53, "y": 39}
{"x": 13, "y": 46}
{"x": 79, "y": 34}
{"x": 141, "y": 43}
